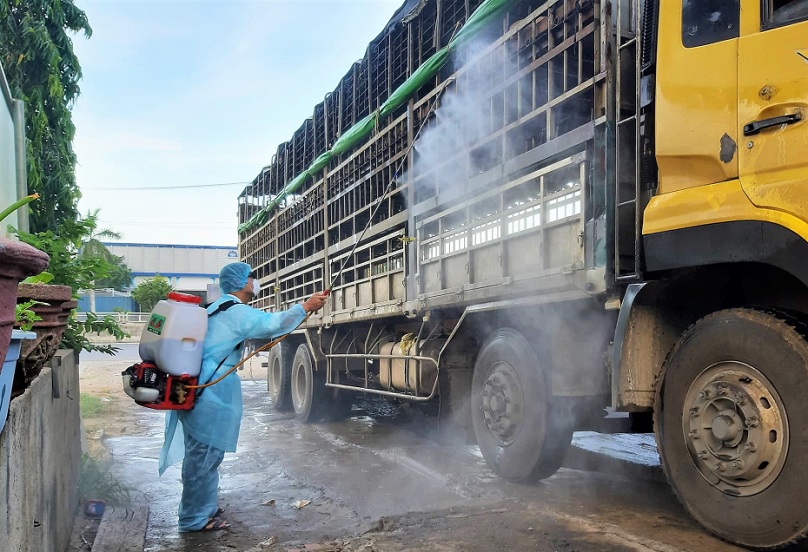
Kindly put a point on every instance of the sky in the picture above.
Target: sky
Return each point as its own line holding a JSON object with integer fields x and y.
{"x": 179, "y": 97}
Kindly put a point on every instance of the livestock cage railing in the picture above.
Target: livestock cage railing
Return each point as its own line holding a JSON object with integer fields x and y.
{"x": 512, "y": 199}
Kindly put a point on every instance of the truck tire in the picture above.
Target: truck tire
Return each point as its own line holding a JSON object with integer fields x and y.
{"x": 311, "y": 399}
{"x": 279, "y": 376}
{"x": 519, "y": 433}
{"x": 732, "y": 427}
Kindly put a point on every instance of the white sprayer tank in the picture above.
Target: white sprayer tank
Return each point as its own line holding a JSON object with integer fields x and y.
{"x": 174, "y": 335}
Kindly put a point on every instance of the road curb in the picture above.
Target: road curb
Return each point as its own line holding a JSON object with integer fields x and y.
{"x": 122, "y": 529}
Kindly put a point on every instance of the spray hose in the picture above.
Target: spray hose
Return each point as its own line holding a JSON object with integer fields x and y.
{"x": 260, "y": 349}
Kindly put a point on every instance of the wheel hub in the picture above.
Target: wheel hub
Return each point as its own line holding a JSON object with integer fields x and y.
{"x": 727, "y": 427}
{"x": 736, "y": 428}
{"x": 502, "y": 403}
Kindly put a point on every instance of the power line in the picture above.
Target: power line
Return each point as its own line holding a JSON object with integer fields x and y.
{"x": 171, "y": 224}
{"x": 153, "y": 188}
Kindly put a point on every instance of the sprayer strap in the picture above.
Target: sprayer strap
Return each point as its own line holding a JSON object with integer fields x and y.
{"x": 223, "y": 306}
{"x": 203, "y": 386}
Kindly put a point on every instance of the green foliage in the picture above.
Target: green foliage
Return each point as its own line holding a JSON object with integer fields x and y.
{"x": 119, "y": 278}
{"x": 79, "y": 269}
{"x": 68, "y": 267}
{"x": 98, "y": 483}
{"x": 41, "y": 278}
{"x": 150, "y": 291}
{"x": 36, "y": 52}
{"x": 16, "y": 205}
{"x": 24, "y": 317}
{"x": 76, "y": 333}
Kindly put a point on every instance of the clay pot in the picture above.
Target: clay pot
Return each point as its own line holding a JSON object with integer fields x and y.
{"x": 17, "y": 261}
{"x": 55, "y": 311}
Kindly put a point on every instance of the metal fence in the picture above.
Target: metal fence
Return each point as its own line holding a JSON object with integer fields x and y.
{"x": 120, "y": 317}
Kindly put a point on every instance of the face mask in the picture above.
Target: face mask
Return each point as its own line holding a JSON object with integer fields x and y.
{"x": 256, "y": 285}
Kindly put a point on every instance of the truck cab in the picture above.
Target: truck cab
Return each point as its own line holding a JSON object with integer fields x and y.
{"x": 712, "y": 337}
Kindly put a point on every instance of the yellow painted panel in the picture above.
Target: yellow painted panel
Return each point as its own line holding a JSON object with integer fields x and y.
{"x": 723, "y": 202}
{"x": 696, "y": 107}
{"x": 773, "y": 82}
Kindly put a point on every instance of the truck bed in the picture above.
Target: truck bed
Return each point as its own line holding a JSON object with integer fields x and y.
{"x": 491, "y": 181}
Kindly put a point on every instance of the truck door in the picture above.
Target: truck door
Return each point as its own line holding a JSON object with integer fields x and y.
{"x": 773, "y": 104}
{"x": 696, "y": 93}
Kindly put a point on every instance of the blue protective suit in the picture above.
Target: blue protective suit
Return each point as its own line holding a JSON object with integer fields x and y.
{"x": 213, "y": 423}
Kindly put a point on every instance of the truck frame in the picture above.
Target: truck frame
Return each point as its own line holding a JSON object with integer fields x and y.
{"x": 583, "y": 204}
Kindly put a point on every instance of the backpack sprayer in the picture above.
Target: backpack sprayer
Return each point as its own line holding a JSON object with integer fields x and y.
{"x": 171, "y": 353}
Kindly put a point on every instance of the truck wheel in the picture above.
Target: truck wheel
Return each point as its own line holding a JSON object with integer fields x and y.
{"x": 520, "y": 435}
{"x": 279, "y": 376}
{"x": 732, "y": 429}
{"x": 311, "y": 399}
{"x": 304, "y": 388}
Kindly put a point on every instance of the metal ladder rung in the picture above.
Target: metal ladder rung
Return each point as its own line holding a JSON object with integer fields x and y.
{"x": 627, "y": 130}
{"x": 627, "y": 278}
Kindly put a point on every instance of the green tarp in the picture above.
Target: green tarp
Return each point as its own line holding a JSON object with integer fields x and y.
{"x": 419, "y": 77}
{"x": 321, "y": 162}
{"x": 290, "y": 188}
{"x": 484, "y": 14}
{"x": 354, "y": 135}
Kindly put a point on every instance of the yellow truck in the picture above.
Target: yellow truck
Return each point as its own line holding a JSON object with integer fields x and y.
{"x": 529, "y": 211}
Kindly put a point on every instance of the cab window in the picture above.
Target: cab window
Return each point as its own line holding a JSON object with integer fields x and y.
{"x": 777, "y": 13}
{"x": 709, "y": 21}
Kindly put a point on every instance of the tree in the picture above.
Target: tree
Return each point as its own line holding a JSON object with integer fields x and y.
{"x": 37, "y": 56}
{"x": 115, "y": 274}
{"x": 120, "y": 277}
{"x": 149, "y": 291}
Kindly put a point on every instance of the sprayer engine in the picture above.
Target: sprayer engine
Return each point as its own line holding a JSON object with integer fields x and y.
{"x": 154, "y": 388}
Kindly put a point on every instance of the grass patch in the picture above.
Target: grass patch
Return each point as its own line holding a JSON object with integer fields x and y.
{"x": 91, "y": 406}
{"x": 98, "y": 483}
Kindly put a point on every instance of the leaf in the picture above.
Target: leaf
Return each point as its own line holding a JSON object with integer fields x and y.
{"x": 300, "y": 504}
{"x": 41, "y": 278}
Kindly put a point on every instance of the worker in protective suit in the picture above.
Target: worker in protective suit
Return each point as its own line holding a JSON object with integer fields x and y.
{"x": 211, "y": 428}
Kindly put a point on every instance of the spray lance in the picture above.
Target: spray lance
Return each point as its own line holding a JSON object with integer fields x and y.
{"x": 155, "y": 388}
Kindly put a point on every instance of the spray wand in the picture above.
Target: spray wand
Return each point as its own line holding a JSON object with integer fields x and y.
{"x": 389, "y": 188}
{"x": 338, "y": 275}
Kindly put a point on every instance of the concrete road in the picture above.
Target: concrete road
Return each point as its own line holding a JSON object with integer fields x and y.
{"x": 377, "y": 483}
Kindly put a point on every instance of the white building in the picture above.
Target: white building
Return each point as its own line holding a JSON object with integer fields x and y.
{"x": 188, "y": 268}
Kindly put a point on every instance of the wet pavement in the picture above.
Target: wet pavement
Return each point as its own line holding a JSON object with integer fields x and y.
{"x": 379, "y": 482}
